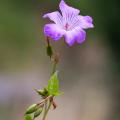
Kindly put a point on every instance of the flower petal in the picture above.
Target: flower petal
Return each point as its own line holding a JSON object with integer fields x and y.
{"x": 76, "y": 34}
{"x": 68, "y": 9}
{"x": 54, "y": 16}
{"x": 81, "y": 36}
{"x": 53, "y": 31}
{"x": 85, "y": 22}
{"x": 68, "y": 12}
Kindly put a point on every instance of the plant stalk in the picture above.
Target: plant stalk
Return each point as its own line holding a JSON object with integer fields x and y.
{"x": 46, "y": 111}
{"x": 48, "y": 102}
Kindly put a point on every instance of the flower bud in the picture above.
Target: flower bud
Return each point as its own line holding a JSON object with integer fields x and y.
{"x": 49, "y": 51}
{"x": 32, "y": 109}
{"x": 28, "y": 117}
{"x": 38, "y": 112}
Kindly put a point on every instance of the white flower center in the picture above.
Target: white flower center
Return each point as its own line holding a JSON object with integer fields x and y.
{"x": 69, "y": 26}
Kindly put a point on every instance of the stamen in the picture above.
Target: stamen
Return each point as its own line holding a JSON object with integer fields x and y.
{"x": 66, "y": 26}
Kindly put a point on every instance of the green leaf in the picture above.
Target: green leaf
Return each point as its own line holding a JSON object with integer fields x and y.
{"x": 28, "y": 117}
{"x": 38, "y": 112}
{"x": 32, "y": 109}
{"x": 53, "y": 84}
{"x": 42, "y": 93}
{"x": 49, "y": 51}
{"x": 58, "y": 93}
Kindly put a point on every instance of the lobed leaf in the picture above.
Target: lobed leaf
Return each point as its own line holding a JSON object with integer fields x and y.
{"x": 53, "y": 85}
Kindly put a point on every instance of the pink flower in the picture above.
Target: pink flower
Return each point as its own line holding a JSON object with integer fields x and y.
{"x": 69, "y": 25}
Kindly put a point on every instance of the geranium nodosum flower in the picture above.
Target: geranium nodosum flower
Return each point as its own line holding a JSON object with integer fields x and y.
{"x": 69, "y": 24}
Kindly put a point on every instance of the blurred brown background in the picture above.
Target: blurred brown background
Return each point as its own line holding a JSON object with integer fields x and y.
{"x": 89, "y": 73}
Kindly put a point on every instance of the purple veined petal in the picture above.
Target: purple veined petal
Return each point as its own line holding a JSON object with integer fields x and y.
{"x": 65, "y": 8}
{"x": 85, "y": 22}
{"x": 81, "y": 36}
{"x": 53, "y": 31}
{"x": 76, "y": 35}
{"x": 68, "y": 12}
{"x": 55, "y": 17}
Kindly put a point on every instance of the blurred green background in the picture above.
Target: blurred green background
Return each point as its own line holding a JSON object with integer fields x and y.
{"x": 89, "y": 73}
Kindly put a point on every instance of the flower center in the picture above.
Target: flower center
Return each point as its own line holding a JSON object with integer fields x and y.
{"x": 66, "y": 27}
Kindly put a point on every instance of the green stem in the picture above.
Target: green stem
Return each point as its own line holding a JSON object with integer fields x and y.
{"x": 54, "y": 68}
{"x": 48, "y": 103}
{"x": 46, "y": 111}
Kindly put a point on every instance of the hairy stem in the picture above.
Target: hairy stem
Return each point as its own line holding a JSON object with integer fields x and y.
{"x": 46, "y": 111}
{"x": 54, "y": 68}
{"x": 49, "y": 101}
